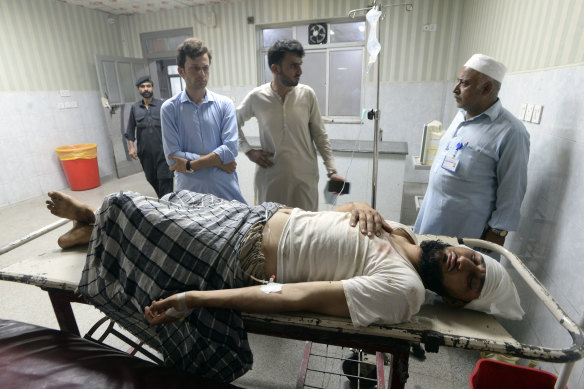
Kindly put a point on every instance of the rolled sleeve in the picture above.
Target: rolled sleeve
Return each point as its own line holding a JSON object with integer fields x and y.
{"x": 171, "y": 138}
{"x": 229, "y": 134}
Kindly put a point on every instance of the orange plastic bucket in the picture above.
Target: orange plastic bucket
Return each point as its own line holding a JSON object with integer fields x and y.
{"x": 80, "y": 165}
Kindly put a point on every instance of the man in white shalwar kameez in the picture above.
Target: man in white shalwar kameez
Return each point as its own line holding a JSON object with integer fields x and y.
{"x": 291, "y": 130}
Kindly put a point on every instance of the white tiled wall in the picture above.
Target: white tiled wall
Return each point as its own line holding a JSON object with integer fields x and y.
{"x": 549, "y": 239}
{"x": 31, "y": 126}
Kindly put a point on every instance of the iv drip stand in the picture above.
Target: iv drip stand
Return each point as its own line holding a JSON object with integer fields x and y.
{"x": 374, "y": 113}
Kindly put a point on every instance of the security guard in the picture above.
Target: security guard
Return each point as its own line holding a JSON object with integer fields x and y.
{"x": 144, "y": 125}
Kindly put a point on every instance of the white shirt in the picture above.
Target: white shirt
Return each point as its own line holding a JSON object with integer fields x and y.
{"x": 380, "y": 285}
{"x": 290, "y": 129}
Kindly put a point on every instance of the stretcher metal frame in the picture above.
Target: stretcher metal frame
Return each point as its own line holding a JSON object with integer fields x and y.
{"x": 56, "y": 271}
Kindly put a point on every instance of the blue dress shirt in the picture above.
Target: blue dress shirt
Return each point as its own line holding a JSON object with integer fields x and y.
{"x": 487, "y": 188}
{"x": 189, "y": 131}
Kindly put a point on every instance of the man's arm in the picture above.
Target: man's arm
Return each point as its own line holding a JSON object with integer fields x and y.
{"x": 320, "y": 137}
{"x": 370, "y": 221}
{"x": 326, "y": 297}
{"x": 512, "y": 184}
{"x": 171, "y": 145}
{"x": 203, "y": 162}
{"x": 245, "y": 112}
{"x": 227, "y": 151}
{"x": 131, "y": 134}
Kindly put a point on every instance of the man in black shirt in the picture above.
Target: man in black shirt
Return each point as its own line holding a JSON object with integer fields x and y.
{"x": 144, "y": 125}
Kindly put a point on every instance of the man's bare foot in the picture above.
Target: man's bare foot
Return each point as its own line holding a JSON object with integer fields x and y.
{"x": 79, "y": 234}
{"x": 65, "y": 206}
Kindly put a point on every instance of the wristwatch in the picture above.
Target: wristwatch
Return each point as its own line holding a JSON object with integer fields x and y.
{"x": 330, "y": 173}
{"x": 498, "y": 232}
{"x": 189, "y": 167}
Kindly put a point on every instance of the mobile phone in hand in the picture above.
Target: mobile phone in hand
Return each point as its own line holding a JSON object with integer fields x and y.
{"x": 339, "y": 187}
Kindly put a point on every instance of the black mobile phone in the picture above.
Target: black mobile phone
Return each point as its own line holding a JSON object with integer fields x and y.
{"x": 339, "y": 187}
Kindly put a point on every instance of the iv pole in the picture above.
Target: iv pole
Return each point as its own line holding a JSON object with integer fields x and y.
{"x": 373, "y": 114}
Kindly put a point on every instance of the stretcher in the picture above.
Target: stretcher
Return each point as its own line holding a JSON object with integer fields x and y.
{"x": 58, "y": 272}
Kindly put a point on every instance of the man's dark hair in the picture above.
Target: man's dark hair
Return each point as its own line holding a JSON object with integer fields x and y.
{"x": 191, "y": 48}
{"x": 430, "y": 268}
{"x": 278, "y": 51}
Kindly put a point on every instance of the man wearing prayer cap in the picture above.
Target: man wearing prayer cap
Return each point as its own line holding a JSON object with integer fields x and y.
{"x": 144, "y": 127}
{"x": 479, "y": 175}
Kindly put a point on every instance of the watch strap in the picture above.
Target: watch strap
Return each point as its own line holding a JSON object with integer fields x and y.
{"x": 330, "y": 173}
{"x": 189, "y": 169}
{"x": 498, "y": 232}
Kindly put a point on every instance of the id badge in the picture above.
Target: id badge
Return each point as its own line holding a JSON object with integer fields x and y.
{"x": 450, "y": 164}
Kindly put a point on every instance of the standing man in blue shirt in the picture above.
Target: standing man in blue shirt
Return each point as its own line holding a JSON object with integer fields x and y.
{"x": 144, "y": 127}
{"x": 199, "y": 129}
{"x": 479, "y": 175}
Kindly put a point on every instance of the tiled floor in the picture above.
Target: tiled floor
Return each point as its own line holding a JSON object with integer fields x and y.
{"x": 276, "y": 361}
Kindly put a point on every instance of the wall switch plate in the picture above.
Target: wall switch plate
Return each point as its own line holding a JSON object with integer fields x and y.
{"x": 429, "y": 27}
{"x": 536, "y": 117}
{"x": 65, "y": 93}
{"x": 522, "y": 111}
{"x": 528, "y": 113}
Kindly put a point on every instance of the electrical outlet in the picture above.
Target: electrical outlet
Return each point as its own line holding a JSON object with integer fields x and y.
{"x": 429, "y": 27}
{"x": 528, "y": 113}
{"x": 522, "y": 111}
{"x": 64, "y": 93}
{"x": 536, "y": 117}
{"x": 60, "y": 105}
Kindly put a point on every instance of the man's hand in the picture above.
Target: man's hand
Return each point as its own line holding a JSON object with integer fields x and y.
{"x": 132, "y": 151}
{"x": 260, "y": 157}
{"x": 370, "y": 221}
{"x": 336, "y": 177}
{"x": 180, "y": 164}
{"x": 228, "y": 167}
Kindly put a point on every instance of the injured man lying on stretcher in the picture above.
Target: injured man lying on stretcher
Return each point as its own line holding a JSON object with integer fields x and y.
{"x": 199, "y": 256}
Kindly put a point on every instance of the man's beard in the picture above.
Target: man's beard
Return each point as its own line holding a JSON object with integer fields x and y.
{"x": 146, "y": 94}
{"x": 287, "y": 81}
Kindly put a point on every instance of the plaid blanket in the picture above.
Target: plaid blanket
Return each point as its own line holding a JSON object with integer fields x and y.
{"x": 143, "y": 249}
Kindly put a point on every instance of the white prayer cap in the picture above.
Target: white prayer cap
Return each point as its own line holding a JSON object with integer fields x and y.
{"x": 499, "y": 296}
{"x": 487, "y": 65}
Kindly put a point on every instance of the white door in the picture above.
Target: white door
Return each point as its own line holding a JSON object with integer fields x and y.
{"x": 117, "y": 77}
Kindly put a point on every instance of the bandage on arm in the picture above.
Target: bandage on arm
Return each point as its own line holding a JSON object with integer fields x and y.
{"x": 182, "y": 311}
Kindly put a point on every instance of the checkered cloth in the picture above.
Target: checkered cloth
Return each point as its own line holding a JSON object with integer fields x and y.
{"x": 143, "y": 249}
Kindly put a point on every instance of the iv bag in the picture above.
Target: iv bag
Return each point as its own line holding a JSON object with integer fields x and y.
{"x": 373, "y": 46}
